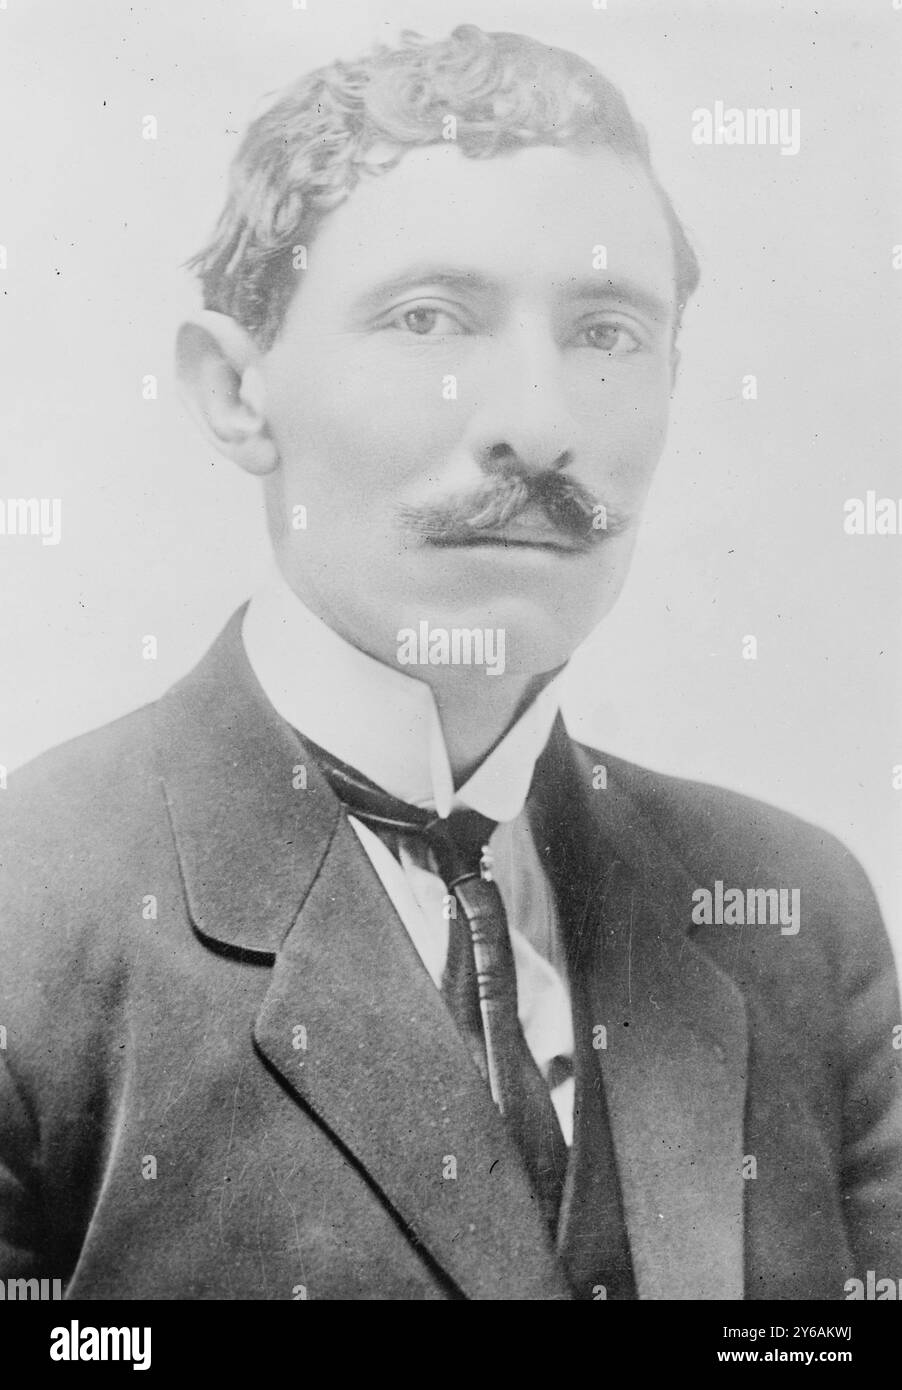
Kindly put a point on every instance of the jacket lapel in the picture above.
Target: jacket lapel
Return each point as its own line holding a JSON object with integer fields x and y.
{"x": 272, "y": 869}
{"x": 674, "y": 1063}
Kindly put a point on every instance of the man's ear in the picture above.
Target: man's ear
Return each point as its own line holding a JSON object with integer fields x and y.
{"x": 218, "y": 368}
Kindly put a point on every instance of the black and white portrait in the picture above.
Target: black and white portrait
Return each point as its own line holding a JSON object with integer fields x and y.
{"x": 450, "y": 752}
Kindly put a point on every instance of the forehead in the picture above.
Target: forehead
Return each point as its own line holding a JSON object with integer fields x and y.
{"x": 531, "y": 220}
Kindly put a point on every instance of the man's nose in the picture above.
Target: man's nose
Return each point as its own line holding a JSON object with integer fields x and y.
{"x": 523, "y": 423}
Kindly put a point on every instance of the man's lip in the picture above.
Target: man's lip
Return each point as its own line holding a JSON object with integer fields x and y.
{"x": 512, "y": 542}
{"x": 516, "y": 536}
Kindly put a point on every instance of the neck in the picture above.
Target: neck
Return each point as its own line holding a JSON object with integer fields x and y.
{"x": 476, "y": 713}
{"x": 475, "y": 710}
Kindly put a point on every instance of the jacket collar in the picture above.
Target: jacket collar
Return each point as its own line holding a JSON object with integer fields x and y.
{"x": 252, "y": 814}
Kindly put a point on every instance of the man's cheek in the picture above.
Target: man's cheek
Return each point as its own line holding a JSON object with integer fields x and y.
{"x": 384, "y": 411}
{"x": 641, "y": 444}
{"x": 624, "y": 466}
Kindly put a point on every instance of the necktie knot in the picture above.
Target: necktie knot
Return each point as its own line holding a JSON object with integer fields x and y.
{"x": 458, "y": 841}
{"x": 460, "y": 845}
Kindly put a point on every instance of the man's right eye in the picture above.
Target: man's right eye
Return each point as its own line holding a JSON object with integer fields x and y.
{"x": 425, "y": 320}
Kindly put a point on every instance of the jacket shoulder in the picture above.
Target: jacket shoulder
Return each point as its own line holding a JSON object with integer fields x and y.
{"x": 84, "y": 837}
{"x": 719, "y": 832}
{"x": 92, "y": 780}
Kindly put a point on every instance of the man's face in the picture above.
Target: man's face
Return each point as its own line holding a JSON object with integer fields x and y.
{"x": 456, "y": 329}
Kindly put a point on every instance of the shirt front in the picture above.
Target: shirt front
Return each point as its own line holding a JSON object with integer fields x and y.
{"x": 385, "y": 723}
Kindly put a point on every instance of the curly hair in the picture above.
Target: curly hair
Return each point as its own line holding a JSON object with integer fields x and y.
{"x": 306, "y": 152}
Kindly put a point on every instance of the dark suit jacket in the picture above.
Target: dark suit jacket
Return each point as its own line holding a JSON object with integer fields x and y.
{"x": 227, "y": 1074}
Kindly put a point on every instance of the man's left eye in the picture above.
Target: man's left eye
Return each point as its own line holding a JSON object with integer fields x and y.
{"x": 425, "y": 320}
{"x": 614, "y": 338}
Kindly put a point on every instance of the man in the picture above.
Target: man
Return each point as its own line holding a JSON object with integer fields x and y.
{"x": 342, "y": 971}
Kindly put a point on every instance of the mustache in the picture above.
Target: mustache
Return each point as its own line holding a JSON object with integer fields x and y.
{"x": 569, "y": 506}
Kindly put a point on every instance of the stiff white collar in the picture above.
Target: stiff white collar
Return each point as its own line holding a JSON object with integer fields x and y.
{"x": 379, "y": 720}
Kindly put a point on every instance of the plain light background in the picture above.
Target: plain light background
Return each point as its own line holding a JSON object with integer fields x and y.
{"x": 744, "y": 528}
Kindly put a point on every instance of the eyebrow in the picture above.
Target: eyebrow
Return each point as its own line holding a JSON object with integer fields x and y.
{"x": 601, "y": 287}
{"x": 623, "y": 291}
{"x": 458, "y": 281}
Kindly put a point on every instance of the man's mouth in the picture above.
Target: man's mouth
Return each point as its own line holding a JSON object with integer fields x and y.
{"x": 502, "y": 540}
{"x": 531, "y": 530}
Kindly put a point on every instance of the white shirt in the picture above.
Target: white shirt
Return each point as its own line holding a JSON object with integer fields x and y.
{"x": 385, "y": 723}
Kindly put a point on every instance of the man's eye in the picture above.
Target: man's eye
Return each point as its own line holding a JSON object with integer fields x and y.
{"x": 425, "y": 320}
{"x": 614, "y": 338}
